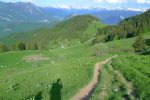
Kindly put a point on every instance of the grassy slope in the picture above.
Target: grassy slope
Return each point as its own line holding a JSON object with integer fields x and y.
{"x": 87, "y": 34}
{"x": 73, "y": 66}
{"x": 129, "y": 64}
{"x": 119, "y": 46}
{"x": 135, "y": 69}
{"x": 66, "y": 30}
{"x": 92, "y": 28}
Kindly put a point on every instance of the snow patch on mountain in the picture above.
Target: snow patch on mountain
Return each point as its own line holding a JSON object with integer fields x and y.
{"x": 45, "y": 21}
{"x": 10, "y": 16}
{"x": 98, "y": 8}
{"x": 121, "y": 17}
{"x": 7, "y": 29}
{"x": 4, "y": 18}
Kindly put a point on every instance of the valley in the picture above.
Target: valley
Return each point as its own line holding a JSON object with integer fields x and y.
{"x": 89, "y": 55}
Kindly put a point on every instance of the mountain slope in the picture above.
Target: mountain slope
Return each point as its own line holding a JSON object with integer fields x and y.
{"x": 27, "y": 14}
{"x": 114, "y": 16}
{"x": 65, "y": 31}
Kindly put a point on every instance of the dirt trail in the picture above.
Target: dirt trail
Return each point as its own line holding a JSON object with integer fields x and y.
{"x": 73, "y": 45}
{"x": 86, "y": 91}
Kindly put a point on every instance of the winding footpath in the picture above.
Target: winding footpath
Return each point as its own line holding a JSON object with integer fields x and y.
{"x": 86, "y": 91}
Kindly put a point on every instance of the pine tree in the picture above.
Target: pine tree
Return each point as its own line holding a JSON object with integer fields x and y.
{"x": 139, "y": 44}
{"x": 3, "y": 48}
{"x": 34, "y": 46}
{"x": 19, "y": 46}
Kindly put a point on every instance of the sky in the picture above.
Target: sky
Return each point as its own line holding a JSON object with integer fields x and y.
{"x": 89, "y": 3}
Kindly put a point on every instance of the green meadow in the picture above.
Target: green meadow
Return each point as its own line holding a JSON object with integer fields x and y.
{"x": 27, "y": 79}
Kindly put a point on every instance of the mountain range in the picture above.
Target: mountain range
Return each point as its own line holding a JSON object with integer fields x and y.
{"x": 32, "y": 17}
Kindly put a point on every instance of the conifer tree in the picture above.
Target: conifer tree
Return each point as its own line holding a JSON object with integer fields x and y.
{"x": 139, "y": 44}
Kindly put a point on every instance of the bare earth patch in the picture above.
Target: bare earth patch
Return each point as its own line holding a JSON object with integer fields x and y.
{"x": 34, "y": 58}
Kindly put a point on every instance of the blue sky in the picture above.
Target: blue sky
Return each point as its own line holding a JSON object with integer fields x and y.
{"x": 89, "y": 3}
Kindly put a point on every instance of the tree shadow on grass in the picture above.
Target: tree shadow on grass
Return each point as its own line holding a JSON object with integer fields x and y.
{"x": 38, "y": 96}
{"x": 55, "y": 92}
{"x": 147, "y": 49}
{"x": 147, "y": 41}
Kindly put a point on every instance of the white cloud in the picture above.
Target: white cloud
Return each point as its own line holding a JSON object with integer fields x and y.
{"x": 116, "y": 1}
{"x": 111, "y": 1}
{"x": 98, "y": 0}
{"x": 26, "y": 0}
{"x": 18, "y": 0}
{"x": 143, "y": 1}
{"x": 62, "y": 6}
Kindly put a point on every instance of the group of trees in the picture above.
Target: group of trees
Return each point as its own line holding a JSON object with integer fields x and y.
{"x": 19, "y": 46}
{"x": 140, "y": 45}
{"x": 3, "y": 48}
{"x": 127, "y": 28}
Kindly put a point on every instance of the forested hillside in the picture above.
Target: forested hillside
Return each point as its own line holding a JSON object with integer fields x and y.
{"x": 127, "y": 28}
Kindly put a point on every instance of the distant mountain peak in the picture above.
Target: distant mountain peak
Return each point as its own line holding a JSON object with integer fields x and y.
{"x": 99, "y": 8}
